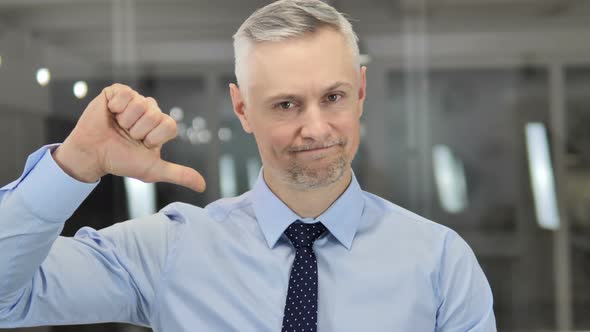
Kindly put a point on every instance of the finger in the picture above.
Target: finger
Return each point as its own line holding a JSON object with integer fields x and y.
{"x": 118, "y": 96}
{"x": 153, "y": 103}
{"x": 181, "y": 175}
{"x": 148, "y": 121}
{"x": 136, "y": 108}
{"x": 164, "y": 132}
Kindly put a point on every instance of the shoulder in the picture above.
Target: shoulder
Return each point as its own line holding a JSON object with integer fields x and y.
{"x": 402, "y": 219}
{"x": 221, "y": 209}
{"x": 216, "y": 211}
{"x": 415, "y": 232}
{"x": 182, "y": 213}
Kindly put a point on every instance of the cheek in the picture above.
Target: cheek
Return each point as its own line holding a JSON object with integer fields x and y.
{"x": 275, "y": 139}
{"x": 352, "y": 132}
{"x": 349, "y": 125}
{"x": 280, "y": 140}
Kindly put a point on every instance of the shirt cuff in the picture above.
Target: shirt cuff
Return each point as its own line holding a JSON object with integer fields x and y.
{"x": 51, "y": 193}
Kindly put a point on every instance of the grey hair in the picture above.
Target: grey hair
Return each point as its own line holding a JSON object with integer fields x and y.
{"x": 286, "y": 19}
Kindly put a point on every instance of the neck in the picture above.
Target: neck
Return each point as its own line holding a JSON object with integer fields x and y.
{"x": 309, "y": 203}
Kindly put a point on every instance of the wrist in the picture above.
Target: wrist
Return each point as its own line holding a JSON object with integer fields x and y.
{"x": 77, "y": 164}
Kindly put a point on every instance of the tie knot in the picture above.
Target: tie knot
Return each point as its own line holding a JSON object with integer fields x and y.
{"x": 304, "y": 235}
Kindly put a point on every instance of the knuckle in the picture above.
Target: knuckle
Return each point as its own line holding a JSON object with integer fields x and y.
{"x": 174, "y": 126}
{"x": 169, "y": 121}
{"x": 118, "y": 92}
{"x": 133, "y": 134}
{"x": 121, "y": 87}
{"x": 150, "y": 142}
{"x": 170, "y": 124}
{"x": 116, "y": 88}
{"x": 121, "y": 121}
{"x": 136, "y": 106}
{"x": 152, "y": 117}
{"x": 132, "y": 129}
{"x": 128, "y": 94}
{"x": 145, "y": 103}
{"x": 152, "y": 101}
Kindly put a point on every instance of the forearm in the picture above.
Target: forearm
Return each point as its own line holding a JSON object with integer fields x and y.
{"x": 25, "y": 241}
{"x": 33, "y": 210}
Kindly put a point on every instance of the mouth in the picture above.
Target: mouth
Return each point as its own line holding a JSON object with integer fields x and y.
{"x": 314, "y": 149}
{"x": 311, "y": 153}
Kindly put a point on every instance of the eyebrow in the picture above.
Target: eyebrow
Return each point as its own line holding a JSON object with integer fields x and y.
{"x": 289, "y": 96}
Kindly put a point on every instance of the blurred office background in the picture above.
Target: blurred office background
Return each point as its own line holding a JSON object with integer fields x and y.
{"x": 477, "y": 117}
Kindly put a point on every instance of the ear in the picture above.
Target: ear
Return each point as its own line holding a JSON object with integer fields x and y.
{"x": 239, "y": 106}
{"x": 362, "y": 89}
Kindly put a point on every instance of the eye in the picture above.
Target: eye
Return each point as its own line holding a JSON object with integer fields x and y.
{"x": 285, "y": 105}
{"x": 333, "y": 97}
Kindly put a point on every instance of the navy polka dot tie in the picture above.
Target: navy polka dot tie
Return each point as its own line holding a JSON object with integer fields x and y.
{"x": 301, "y": 307}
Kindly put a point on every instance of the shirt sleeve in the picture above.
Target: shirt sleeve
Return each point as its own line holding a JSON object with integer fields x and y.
{"x": 465, "y": 296}
{"x": 110, "y": 275}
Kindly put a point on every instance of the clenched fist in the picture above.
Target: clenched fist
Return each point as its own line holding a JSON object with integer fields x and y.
{"x": 122, "y": 132}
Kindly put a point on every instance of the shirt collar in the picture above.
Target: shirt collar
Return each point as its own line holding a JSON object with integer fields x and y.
{"x": 342, "y": 218}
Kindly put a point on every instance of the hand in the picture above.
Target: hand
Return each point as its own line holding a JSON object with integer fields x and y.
{"x": 122, "y": 132}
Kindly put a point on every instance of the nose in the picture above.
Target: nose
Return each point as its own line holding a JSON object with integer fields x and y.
{"x": 315, "y": 124}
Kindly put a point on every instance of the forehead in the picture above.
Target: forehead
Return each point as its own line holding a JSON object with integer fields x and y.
{"x": 314, "y": 60}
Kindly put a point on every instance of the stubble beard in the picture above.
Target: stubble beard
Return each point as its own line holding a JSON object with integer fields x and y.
{"x": 304, "y": 177}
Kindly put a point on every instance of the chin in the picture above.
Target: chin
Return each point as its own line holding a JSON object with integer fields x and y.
{"x": 309, "y": 178}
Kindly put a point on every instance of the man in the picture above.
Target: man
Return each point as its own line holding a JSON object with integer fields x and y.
{"x": 305, "y": 250}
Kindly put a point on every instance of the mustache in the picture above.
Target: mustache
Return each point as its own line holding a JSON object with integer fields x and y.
{"x": 328, "y": 144}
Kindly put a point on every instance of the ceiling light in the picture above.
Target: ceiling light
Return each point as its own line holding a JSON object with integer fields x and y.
{"x": 204, "y": 136}
{"x": 199, "y": 123}
{"x": 43, "y": 76}
{"x": 224, "y": 134}
{"x": 541, "y": 174}
{"x": 80, "y": 89}
{"x": 176, "y": 113}
{"x": 449, "y": 176}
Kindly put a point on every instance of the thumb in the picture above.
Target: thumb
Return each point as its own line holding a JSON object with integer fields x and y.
{"x": 165, "y": 171}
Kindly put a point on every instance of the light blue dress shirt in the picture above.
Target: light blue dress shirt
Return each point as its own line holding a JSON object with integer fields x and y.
{"x": 226, "y": 267}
